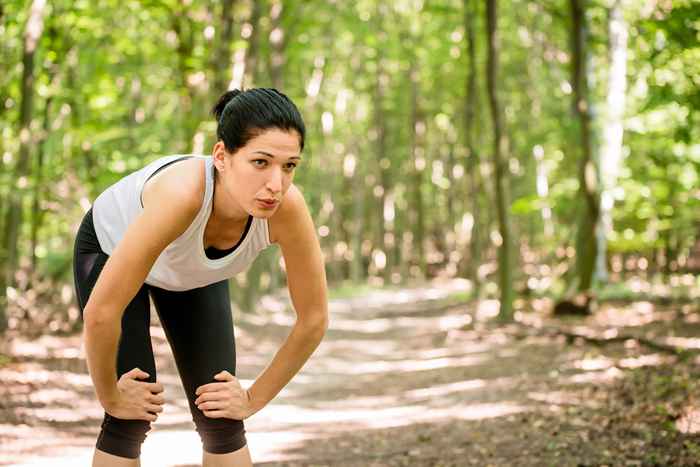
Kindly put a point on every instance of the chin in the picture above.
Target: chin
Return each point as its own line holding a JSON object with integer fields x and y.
{"x": 263, "y": 213}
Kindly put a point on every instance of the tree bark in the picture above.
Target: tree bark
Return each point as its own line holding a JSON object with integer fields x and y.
{"x": 38, "y": 192}
{"x": 472, "y": 162}
{"x": 382, "y": 160}
{"x": 251, "y": 56}
{"x": 358, "y": 272}
{"x": 505, "y": 252}
{"x": 417, "y": 167}
{"x": 278, "y": 43}
{"x": 587, "y": 170}
{"x": 183, "y": 26}
{"x": 222, "y": 56}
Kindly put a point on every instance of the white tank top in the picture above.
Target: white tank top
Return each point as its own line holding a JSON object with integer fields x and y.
{"x": 183, "y": 264}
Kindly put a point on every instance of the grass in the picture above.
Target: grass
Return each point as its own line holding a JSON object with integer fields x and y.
{"x": 349, "y": 290}
{"x": 460, "y": 296}
{"x": 4, "y": 359}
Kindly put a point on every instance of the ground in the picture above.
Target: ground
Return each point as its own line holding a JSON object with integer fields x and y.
{"x": 403, "y": 378}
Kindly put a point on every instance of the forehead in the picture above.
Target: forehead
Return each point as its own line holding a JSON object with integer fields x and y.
{"x": 276, "y": 141}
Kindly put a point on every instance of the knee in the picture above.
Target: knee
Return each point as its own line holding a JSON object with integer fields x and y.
{"x": 122, "y": 438}
{"x": 220, "y": 435}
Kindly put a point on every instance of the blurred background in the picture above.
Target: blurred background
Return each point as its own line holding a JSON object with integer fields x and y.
{"x": 546, "y": 148}
{"x": 477, "y": 172}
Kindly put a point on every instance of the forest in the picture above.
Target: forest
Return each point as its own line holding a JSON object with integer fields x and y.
{"x": 490, "y": 181}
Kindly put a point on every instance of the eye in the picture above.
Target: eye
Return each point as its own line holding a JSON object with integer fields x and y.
{"x": 263, "y": 162}
{"x": 291, "y": 166}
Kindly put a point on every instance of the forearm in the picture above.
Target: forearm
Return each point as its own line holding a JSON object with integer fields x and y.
{"x": 101, "y": 343}
{"x": 296, "y": 350}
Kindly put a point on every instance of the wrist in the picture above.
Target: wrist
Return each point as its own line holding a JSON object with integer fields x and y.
{"x": 109, "y": 399}
{"x": 253, "y": 402}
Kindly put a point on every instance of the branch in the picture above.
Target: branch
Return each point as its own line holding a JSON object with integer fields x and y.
{"x": 601, "y": 341}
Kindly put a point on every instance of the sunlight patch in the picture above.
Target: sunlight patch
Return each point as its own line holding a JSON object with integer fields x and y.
{"x": 642, "y": 360}
{"x": 604, "y": 376}
{"x": 589, "y": 364}
{"x": 487, "y": 309}
{"x": 689, "y": 423}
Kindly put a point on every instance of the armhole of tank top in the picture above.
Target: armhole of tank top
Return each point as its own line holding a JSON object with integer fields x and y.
{"x": 268, "y": 241}
{"x": 167, "y": 164}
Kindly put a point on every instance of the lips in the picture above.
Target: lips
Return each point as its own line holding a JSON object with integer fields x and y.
{"x": 268, "y": 202}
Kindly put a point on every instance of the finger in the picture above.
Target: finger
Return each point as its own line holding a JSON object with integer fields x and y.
{"x": 212, "y": 405}
{"x": 154, "y": 408}
{"x": 137, "y": 373}
{"x": 150, "y": 417}
{"x": 154, "y": 387}
{"x": 210, "y": 387}
{"x": 225, "y": 375}
{"x": 156, "y": 400}
{"x": 210, "y": 396}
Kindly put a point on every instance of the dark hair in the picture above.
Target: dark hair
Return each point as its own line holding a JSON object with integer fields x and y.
{"x": 243, "y": 115}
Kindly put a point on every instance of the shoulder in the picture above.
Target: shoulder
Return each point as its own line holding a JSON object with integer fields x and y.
{"x": 183, "y": 183}
{"x": 291, "y": 213}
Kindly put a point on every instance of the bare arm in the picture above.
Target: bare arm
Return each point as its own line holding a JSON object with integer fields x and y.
{"x": 306, "y": 279}
{"x": 169, "y": 210}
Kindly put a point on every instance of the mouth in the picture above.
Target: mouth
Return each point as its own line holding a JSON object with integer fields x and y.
{"x": 268, "y": 203}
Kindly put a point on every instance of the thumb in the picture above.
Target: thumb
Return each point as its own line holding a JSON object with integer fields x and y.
{"x": 137, "y": 373}
{"x": 223, "y": 375}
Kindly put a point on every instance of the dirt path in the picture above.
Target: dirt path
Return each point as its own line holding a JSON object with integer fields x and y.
{"x": 400, "y": 379}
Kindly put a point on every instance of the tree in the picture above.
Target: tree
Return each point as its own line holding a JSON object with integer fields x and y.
{"x": 501, "y": 179}
{"x": 587, "y": 167}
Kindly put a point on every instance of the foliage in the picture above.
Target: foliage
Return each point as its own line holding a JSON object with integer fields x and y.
{"x": 121, "y": 83}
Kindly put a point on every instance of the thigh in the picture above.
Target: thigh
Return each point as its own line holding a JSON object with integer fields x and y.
{"x": 199, "y": 327}
{"x": 134, "y": 348}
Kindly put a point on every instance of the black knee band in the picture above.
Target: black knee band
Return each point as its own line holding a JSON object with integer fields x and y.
{"x": 221, "y": 436}
{"x": 122, "y": 438}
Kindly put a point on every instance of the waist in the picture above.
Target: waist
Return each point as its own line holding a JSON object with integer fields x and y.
{"x": 86, "y": 239}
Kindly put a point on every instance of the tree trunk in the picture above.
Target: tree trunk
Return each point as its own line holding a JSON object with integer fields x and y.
{"x": 37, "y": 212}
{"x": 278, "y": 42}
{"x": 611, "y": 151}
{"x": 222, "y": 55}
{"x": 251, "y": 56}
{"x": 587, "y": 171}
{"x": 416, "y": 169}
{"x": 183, "y": 26}
{"x": 383, "y": 163}
{"x": 357, "y": 266}
{"x": 472, "y": 162}
{"x": 505, "y": 252}
{"x": 13, "y": 221}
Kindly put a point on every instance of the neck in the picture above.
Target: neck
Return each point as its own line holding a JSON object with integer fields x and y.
{"x": 225, "y": 209}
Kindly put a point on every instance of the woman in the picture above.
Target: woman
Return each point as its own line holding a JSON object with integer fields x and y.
{"x": 178, "y": 236}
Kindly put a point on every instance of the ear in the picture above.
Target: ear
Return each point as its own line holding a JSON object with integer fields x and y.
{"x": 218, "y": 154}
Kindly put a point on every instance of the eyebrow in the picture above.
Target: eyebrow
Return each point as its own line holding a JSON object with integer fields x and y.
{"x": 270, "y": 155}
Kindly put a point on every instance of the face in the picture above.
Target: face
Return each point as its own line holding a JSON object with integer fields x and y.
{"x": 260, "y": 171}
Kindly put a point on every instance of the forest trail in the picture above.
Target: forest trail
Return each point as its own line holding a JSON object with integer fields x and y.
{"x": 402, "y": 378}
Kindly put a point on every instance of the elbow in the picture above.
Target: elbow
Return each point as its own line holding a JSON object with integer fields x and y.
{"x": 316, "y": 323}
{"x": 96, "y": 317}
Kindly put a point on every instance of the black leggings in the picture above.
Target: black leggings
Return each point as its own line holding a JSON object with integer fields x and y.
{"x": 199, "y": 328}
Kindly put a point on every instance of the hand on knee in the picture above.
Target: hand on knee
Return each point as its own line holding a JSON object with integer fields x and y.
{"x": 136, "y": 400}
{"x": 224, "y": 399}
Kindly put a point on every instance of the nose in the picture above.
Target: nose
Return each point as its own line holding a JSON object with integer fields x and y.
{"x": 274, "y": 182}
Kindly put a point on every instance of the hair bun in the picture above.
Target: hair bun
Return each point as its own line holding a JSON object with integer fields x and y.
{"x": 225, "y": 98}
